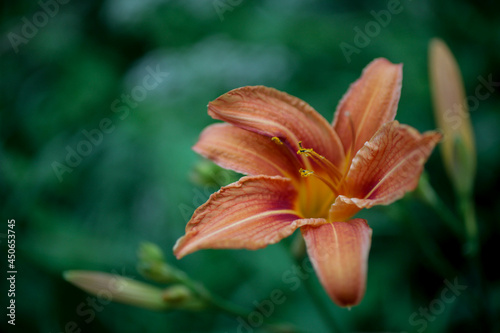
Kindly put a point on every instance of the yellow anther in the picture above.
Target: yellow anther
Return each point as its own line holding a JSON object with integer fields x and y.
{"x": 307, "y": 152}
{"x": 305, "y": 173}
{"x": 304, "y": 151}
{"x": 276, "y": 140}
{"x": 322, "y": 162}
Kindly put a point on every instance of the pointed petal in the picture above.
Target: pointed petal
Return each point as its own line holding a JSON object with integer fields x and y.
{"x": 389, "y": 164}
{"x": 339, "y": 254}
{"x": 246, "y": 152}
{"x": 274, "y": 113}
{"x": 370, "y": 102}
{"x": 251, "y": 213}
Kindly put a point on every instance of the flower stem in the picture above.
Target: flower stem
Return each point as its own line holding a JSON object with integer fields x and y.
{"x": 428, "y": 195}
{"x": 471, "y": 251}
{"x": 218, "y": 303}
{"x": 152, "y": 266}
{"x": 213, "y": 300}
{"x": 428, "y": 246}
{"x": 468, "y": 213}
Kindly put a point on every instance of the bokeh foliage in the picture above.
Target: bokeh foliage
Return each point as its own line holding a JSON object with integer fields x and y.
{"x": 137, "y": 184}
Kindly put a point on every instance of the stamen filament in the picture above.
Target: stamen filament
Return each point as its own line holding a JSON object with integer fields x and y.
{"x": 327, "y": 182}
{"x": 325, "y": 164}
{"x": 287, "y": 152}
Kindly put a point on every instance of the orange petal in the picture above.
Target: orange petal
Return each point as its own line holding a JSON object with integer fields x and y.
{"x": 343, "y": 209}
{"x": 273, "y": 113}
{"x": 370, "y": 102}
{"x": 251, "y": 213}
{"x": 246, "y": 152}
{"x": 389, "y": 164}
{"x": 339, "y": 254}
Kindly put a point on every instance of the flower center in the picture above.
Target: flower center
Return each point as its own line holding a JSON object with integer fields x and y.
{"x": 324, "y": 170}
{"x": 318, "y": 197}
{"x": 322, "y": 182}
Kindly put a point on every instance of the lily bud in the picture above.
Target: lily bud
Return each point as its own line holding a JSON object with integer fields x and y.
{"x": 180, "y": 296}
{"x": 118, "y": 289}
{"x": 207, "y": 173}
{"x": 452, "y": 116}
{"x": 150, "y": 252}
{"x": 152, "y": 266}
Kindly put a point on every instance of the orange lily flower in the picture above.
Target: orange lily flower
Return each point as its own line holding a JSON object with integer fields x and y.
{"x": 305, "y": 173}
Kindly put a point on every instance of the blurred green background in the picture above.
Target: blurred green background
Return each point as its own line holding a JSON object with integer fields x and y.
{"x": 80, "y": 71}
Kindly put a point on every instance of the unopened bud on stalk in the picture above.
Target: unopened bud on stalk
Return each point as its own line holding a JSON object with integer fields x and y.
{"x": 179, "y": 296}
{"x": 150, "y": 252}
{"x": 118, "y": 289}
{"x": 152, "y": 266}
{"x": 452, "y": 116}
{"x": 207, "y": 173}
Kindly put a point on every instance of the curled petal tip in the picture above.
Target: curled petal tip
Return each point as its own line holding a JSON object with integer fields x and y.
{"x": 177, "y": 248}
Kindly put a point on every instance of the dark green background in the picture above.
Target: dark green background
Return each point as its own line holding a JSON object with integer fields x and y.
{"x": 137, "y": 183}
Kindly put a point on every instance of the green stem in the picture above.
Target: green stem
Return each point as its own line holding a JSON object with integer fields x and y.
{"x": 471, "y": 238}
{"x": 468, "y": 212}
{"x": 216, "y": 301}
{"x": 429, "y": 248}
{"x": 471, "y": 251}
{"x": 153, "y": 266}
{"x": 228, "y": 307}
{"x": 428, "y": 195}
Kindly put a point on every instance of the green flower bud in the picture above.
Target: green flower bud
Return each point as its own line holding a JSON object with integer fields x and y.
{"x": 182, "y": 297}
{"x": 118, "y": 289}
{"x": 152, "y": 266}
{"x": 150, "y": 252}
{"x": 207, "y": 173}
{"x": 452, "y": 116}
